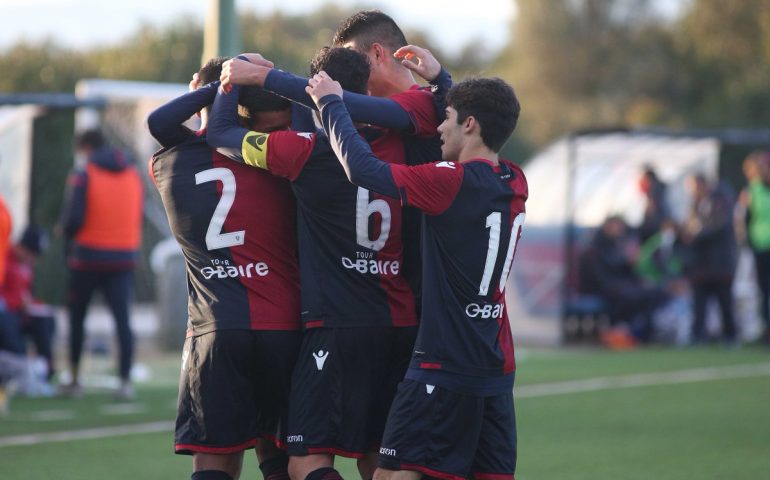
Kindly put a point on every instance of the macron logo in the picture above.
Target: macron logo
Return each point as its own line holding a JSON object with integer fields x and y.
{"x": 446, "y": 165}
{"x": 429, "y": 388}
{"x": 320, "y": 359}
{"x": 391, "y": 452}
{"x": 306, "y": 135}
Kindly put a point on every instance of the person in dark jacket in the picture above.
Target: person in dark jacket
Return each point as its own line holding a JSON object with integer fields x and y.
{"x": 607, "y": 270}
{"x": 656, "y": 208}
{"x": 101, "y": 221}
{"x": 710, "y": 236}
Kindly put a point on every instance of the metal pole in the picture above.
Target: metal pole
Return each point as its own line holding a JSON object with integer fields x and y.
{"x": 220, "y": 36}
{"x": 569, "y": 229}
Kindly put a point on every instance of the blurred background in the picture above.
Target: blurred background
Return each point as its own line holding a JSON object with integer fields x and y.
{"x": 610, "y": 90}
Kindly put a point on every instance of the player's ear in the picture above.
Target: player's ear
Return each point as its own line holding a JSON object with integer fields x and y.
{"x": 470, "y": 123}
{"x": 378, "y": 51}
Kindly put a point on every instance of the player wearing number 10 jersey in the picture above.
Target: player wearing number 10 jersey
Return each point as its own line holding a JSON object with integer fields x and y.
{"x": 353, "y": 289}
{"x": 453, "y": 415}
{"x": 243, "y": 284}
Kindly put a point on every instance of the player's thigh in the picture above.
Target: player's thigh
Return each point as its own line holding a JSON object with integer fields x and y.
{"x": 496, "y": 452}
{"x": 217, "y": 396}
{"x": 276, "y": 353}
{"x": 431, "y": 430}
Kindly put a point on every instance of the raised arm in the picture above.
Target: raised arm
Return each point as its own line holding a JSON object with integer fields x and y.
{"x": 224, "y": 132}
{"x": 381, "y": 111}
{"x": 166, "y": 122}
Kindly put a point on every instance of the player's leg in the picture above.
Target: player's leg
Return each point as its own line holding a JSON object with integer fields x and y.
{"x": 700, "y": 302}
{"x": 276, "y": 356}
{"x": 431, "y": 431}
{"x": 496, "y": 452}
{"x": 117, "y": 290}
{"x": 216, "y": 419}
{"x": 317, "y": 466}
{"x": 207, "y": 466}
{"x": 79, "y": 292}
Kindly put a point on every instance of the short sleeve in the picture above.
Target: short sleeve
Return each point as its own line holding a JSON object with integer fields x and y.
{"x": 419, "y": 104}
{"x": 283, "y": 153}
{"x": 431, "y": 187}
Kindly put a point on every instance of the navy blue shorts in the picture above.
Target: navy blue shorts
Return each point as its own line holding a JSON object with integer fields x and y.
{"x": 449, "y": 435}
{"x": 234, "y": 389}
{"x": 343, "y": 386}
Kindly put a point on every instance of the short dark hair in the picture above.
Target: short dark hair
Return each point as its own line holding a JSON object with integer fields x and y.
{"x": 211, "y": 70}
{"x": 92, "y": 138}
{"x": 493, "y": 104}
{"x": 254, "y": 99}
{"x": 349, "y": 67}
{"x": 368, "y": 27}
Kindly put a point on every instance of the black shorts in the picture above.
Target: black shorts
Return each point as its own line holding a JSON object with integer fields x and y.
{"x": 449, "y": 435}
{"x": 234, "y": 389}
{"x": 342, "y": 388}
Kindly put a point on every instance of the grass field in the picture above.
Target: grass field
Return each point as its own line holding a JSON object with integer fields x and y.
{"x": 582, "y": 414}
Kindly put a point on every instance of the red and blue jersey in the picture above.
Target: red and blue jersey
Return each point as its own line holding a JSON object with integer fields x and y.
{"x": 237, "y": 230}
{"x": 474, "y": 214}
{"x": 350, "y": 247}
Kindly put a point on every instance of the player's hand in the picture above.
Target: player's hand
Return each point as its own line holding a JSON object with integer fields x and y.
{"x": 194, "y": 83}
{"x": 426, "y": 66}
{"x": 241, "y": 72}
{"x": 257, "y": 59}
{"x": 321, "y": 85}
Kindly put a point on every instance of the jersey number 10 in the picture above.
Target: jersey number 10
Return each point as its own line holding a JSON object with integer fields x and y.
{"x": 493, "y": 224}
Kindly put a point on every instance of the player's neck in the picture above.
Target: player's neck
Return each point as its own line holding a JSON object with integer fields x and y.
{"x": 475, "y": 151}
{"x": 399, "y": 80}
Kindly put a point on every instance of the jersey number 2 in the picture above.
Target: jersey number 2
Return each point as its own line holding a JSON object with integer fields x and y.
{"x": 493, "y": 224}
{"x": 214, "y": 237}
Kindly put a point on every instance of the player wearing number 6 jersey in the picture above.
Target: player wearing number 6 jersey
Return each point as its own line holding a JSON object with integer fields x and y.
{"x": 358, "y": 310}
{"x": 453, "y": 414}
{"x": 236, "y": 228}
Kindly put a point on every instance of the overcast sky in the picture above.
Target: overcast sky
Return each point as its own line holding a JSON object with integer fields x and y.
{"x": 86, "y": 23}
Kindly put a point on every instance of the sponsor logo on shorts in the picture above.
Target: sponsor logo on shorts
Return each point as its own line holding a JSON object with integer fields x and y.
{"x": 320, "y": 359}
{"x": 391, "y": 452}
{"x": 224, "y": 269}
{"x": 294, "y": 438}
{"x": 474, "y": 310}
{"x": 366, "y": 263}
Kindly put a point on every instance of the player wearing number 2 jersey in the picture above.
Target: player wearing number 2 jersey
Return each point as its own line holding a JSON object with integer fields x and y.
{"x": 357, "y": 308}
{"x": 453, "y": 414}
{"x": 243, "y": 284}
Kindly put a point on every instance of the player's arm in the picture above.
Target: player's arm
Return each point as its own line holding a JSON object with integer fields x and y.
{"x": 73, "y": 210}
{"x": 431, "y": 187}
{"x": 166, "y": 122}
{"x": 282, "y": 153}
{"x": 385, "y": 112}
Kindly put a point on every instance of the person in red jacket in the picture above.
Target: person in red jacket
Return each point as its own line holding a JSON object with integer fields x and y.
{"x": 102, "y": 223}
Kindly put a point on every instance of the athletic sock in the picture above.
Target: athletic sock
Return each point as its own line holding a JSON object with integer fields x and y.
{"x": 277, "y": 468}
{"x": 210, "y": 475}
{"x": 325, "y": 473}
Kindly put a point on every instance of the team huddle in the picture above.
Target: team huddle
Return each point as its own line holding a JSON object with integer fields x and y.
{"x": 347, "y": 240}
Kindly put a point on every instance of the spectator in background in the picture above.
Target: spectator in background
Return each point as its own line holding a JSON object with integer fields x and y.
{"x": 755, "y": 202}
{"x": 17, "y": 294}
{"x": 5, "y": 234}
{"x": 710, "y": 236}
{"x": 607, "y": 270}
{"x": 661, "y": 263}
{"x": 102, "y": 222}
{"x": 656, "y": 208}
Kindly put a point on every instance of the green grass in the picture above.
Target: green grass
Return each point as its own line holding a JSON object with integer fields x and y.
{"x": 703, "y": 430}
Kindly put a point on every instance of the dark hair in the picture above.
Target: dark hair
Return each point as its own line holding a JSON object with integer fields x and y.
{"x": 211, "y": 70}
{"x": 349, "y": 67}
{"x": 254, "y": 99}
{"x": 34, "y": 239}
{"x": 90, "y": 138}
{"x": 493, "y": 104}
{"x": 368, "y": 27}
